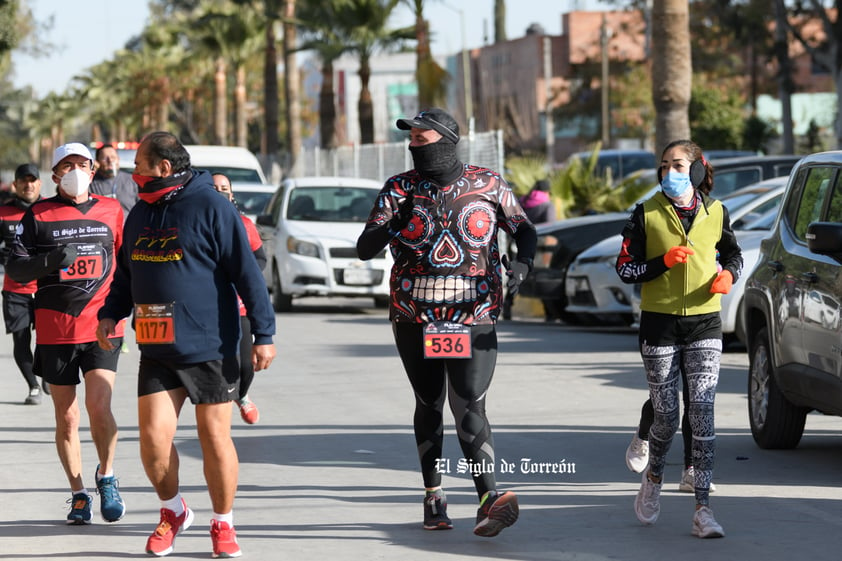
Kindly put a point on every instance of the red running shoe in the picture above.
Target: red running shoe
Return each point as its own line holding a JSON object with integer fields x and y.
{"x": 248, "y": 411}
{"x": 224, "y": 539}
{"x": 161, "y": 540}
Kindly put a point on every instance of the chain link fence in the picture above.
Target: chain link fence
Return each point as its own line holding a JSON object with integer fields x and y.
{"x": 381, "y": 161}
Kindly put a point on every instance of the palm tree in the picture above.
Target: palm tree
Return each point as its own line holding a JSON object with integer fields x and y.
{"x": 231, "y": 36}
{"x": 671, "y": 71}
{"x": 319, "y": 23}
{"x": 500, "y": 21}
{"x": 365, "y": 25}
{"x": 291, "y": 85}
{"x": 429, "y": 75}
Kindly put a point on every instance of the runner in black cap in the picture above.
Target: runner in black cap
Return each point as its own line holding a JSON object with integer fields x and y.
{"x": 441, "y": 221}
{"x": 19, "y": 299}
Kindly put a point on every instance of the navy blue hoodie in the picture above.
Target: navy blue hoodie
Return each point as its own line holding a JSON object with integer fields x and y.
{"x": 191, "y": 250}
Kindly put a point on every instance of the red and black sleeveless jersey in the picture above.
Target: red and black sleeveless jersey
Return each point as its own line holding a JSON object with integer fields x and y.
{"x": 68, "y": 300}
{"x": 10, "y": 215}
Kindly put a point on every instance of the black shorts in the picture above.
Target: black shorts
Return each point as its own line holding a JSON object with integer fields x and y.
{"x": 214, "y": 381}
{"x": 60, "y": 364}
{"x": 18, "y": 311}
{"x": 666, "y": 329}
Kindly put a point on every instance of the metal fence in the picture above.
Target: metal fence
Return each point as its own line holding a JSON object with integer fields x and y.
{"x": 381, "y": 161}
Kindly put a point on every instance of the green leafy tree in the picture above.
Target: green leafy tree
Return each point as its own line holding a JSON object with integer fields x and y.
{"x": 716, "y": 117}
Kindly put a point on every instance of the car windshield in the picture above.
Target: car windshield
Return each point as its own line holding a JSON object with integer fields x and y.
{"x": 235, "y": 175}
{"x": 331, "y": 204}
{"x": 251, "y": 202}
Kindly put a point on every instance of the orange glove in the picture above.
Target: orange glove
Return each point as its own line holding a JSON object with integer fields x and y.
{"x": 722, "y": 283}
{"x": 677, "y": 254}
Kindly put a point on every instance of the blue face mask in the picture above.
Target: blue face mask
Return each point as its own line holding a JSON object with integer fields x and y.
{"x": 676, "y": 184}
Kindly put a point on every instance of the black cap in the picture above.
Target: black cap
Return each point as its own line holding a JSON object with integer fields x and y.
{"x": 25, "y": 170}
{"x": 436, "y": 119}
{"x": 542, "y": 185}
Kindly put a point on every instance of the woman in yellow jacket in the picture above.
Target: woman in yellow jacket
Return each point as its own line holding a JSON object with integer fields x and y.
{"x": 679, "y": 245}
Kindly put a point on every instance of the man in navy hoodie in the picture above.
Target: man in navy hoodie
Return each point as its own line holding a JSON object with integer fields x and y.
{"x": 184, "y": 259}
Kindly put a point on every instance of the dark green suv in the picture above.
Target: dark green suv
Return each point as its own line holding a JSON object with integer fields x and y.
{"x": 793, "y": 307}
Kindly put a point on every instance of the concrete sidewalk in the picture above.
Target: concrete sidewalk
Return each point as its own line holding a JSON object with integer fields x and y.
{"x": 330, "y": 472}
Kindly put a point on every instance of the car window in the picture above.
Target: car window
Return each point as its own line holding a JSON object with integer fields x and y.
{"x": 331, "y": 204}
{"x": 634, "y": 163}
{"x": 728, "y": 181}
{"x": 764, "y": 222}
{"x": 276, "y": 205}
{"x": 834, "y": 211}
{"x": 608, "y": 162}
{"x": 812, "y": 199}
{"x": 251, "y": 202}
{"x": 783, "y": 169}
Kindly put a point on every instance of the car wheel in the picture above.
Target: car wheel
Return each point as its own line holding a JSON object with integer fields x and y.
{"x": 280, "y": 301}
{"x": 775, "y": 422}
{"x": 381, "y": 302}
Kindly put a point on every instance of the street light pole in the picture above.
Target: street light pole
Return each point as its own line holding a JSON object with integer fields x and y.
{"x": 549, "y": 126}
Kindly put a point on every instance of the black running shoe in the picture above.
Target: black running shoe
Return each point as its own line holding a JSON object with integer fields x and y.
{"x": 435, "y": 512}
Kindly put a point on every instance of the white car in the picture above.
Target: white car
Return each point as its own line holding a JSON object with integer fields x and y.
{"x": 597, "y": 295}
{"x": 243, "y": 170}
{"x": 310, "y": 233}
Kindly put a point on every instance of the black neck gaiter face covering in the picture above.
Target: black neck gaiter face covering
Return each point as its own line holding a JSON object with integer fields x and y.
{"x": 437, "y": 161}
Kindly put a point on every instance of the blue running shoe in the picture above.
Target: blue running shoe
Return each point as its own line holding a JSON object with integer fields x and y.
{"x": 111, "y": 504}
{"x": 80, "y": 509}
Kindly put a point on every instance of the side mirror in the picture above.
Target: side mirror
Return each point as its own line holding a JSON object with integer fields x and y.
{"x": 265, "y": 220}
{"x": 825, "y": 238}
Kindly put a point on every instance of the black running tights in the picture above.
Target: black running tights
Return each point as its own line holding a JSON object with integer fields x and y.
{"x": 466, "y": 383}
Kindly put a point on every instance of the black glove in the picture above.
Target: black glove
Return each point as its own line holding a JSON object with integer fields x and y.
{"x": 60, "y": 257}
{"x": 517, "y": 272}
{"x": 403, "y": 214}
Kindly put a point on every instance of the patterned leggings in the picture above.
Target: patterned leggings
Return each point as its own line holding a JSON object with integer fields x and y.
{"x": 700, "y": 360}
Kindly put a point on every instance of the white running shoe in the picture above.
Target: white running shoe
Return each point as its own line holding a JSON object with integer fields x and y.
{"x": 647, "y": 505}
{"x": 688, "y": 482}
{"x": 637, "y": 454}
{"x": 705, "y": 525}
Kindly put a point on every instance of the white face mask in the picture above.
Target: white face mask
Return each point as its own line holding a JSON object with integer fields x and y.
{"x": 75, "y": 182}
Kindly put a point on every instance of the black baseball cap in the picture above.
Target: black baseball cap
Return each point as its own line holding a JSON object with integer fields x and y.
{"x": 436, "y": 119}
{"x": 25, "y": 170}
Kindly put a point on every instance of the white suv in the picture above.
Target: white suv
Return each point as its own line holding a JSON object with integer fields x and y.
{"x": 310, "y": 232}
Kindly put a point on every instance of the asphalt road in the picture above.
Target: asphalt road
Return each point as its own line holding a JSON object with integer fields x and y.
{"x": 330, "y": 472}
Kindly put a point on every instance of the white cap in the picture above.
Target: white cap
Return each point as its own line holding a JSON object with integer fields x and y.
{"x": 70, "y": 149}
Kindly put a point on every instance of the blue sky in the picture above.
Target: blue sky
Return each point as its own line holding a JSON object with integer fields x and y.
{"x": 87, "y": 32}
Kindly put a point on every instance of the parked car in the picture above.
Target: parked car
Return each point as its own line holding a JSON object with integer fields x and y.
{"x": 560, "y": 242}
{"x": 721, "y": 154}
{"x": 620, "y": 162}
{"x": 792, "y": 307}
{"x": 309, "y": 233}
{"x": 251, "y": 191}
{"x": 595, "y": 292}
{"x": 236, "y": 162}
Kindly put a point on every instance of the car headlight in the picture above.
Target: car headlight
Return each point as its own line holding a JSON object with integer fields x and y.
{"x": 300, "y": 247}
